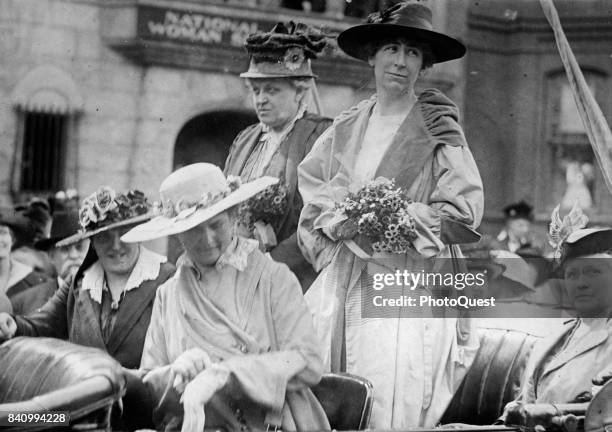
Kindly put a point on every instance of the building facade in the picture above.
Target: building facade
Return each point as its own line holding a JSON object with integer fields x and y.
{"x": 121, "y": 92}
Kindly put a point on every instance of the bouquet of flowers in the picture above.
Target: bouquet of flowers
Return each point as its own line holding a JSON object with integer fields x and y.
{"x": 262, "y": 215}
{"x": 379, "y": 209}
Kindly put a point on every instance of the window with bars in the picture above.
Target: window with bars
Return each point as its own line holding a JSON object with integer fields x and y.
{"x": 43, "y": 151}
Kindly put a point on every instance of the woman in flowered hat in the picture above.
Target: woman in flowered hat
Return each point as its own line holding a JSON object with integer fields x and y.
{"x": 17, "y": 280}
{"x": 415, "y": 365}
{"x": 279, "y": 78}
{"x": 564, "y": 364}
{"x": 231, "y": 343}
{"x": 109, "y": 303}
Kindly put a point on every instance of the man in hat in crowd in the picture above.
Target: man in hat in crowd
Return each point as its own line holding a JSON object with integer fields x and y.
{"x": 518, "y": 235}
{"x": 279, "y": 78}
{"x": 563, "y": 365}
{"x": 38, "y": 214}
{"x": 231, "y": 338}
{"x": 67, "y": 258}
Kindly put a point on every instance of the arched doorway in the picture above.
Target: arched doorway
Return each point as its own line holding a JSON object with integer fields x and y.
{"x": 206, "y": 138}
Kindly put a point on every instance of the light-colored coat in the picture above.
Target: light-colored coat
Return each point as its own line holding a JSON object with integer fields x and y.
{"x": 558, "y": 377}
{"x": 267, "y": 343}
{"x": 415, "y": 364}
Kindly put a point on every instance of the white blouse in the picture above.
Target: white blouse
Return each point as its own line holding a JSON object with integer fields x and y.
{"x": 376, "y": 140}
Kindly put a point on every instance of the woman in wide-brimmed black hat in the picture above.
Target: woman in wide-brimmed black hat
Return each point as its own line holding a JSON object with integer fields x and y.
{"x": 416, "y": 140}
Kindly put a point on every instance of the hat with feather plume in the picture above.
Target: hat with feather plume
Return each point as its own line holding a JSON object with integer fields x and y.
{"x": 570, "y": 239}
{"x": 283, "y": 52}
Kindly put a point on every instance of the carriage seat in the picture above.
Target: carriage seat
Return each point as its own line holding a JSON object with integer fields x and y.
{"x": 346, "y": 400}
{"x": 45, "y": 374}
{"x": 494, "y": 378}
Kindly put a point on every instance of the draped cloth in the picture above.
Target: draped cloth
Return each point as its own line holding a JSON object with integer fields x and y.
{"x": 414, "y": 364}
{"x": 595, "y": 124}
{"x": 254, "y": 323}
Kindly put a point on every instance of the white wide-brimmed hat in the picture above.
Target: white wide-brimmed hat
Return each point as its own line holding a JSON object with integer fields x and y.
{"x": 192, "y": 195}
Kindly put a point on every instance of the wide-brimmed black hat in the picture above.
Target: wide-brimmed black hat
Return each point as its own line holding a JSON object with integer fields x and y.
{"x": 411, "y": 21}
{"x": 65, "y": 224}
{"x": 587, "y": 241}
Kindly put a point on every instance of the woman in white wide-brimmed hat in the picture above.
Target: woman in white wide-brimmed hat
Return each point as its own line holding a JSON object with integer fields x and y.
{"x": 230, "y": 337}
{"x": 415, "y": 365}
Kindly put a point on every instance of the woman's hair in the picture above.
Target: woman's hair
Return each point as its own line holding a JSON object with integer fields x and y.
{"x": 299, "y": 84}
{"x": 428, "y": 57}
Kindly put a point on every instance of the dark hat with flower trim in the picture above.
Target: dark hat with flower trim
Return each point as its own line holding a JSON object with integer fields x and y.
{"x": 105, "y": 210}
{"x": 283, "y": 52}
{"x": 192, "y": 195}
{"x": 412, "y": 21}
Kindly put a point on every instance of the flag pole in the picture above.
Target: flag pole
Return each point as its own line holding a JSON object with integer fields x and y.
{"x": 597, "y": 129}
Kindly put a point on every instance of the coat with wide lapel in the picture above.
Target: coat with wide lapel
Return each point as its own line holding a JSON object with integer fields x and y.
{"x": 283, "y": 165}
{"x": 426, "y": 135}
{"x": 72, "y": 314}
{"x": 558, "y": 376}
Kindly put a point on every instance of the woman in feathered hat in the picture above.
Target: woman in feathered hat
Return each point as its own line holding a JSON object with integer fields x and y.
{"x": 231, "y": 343}
{"x": 415, "y": 365}
{"x": 109, "y": 303}
{"x": 279, "y": 78}
{"x": 563, "y": 365}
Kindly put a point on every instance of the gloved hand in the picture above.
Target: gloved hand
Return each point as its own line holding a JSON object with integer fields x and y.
{"x": 197, "y": 394}
{"x": 188, "y": 365}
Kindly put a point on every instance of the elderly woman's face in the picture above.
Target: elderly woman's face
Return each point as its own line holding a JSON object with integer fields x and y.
{"x": 396, "y": 67}
{"x": 206, "y": 242}
{"x": 275, "y": 100}
{"x": 115, "y": 256}
{"x": 589, "y": 283}
{"x": 6, "y": 241}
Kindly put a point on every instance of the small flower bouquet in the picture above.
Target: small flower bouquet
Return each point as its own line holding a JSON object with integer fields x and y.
{"x": 262, "y": 215}
{"x": 379, "y": 209}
